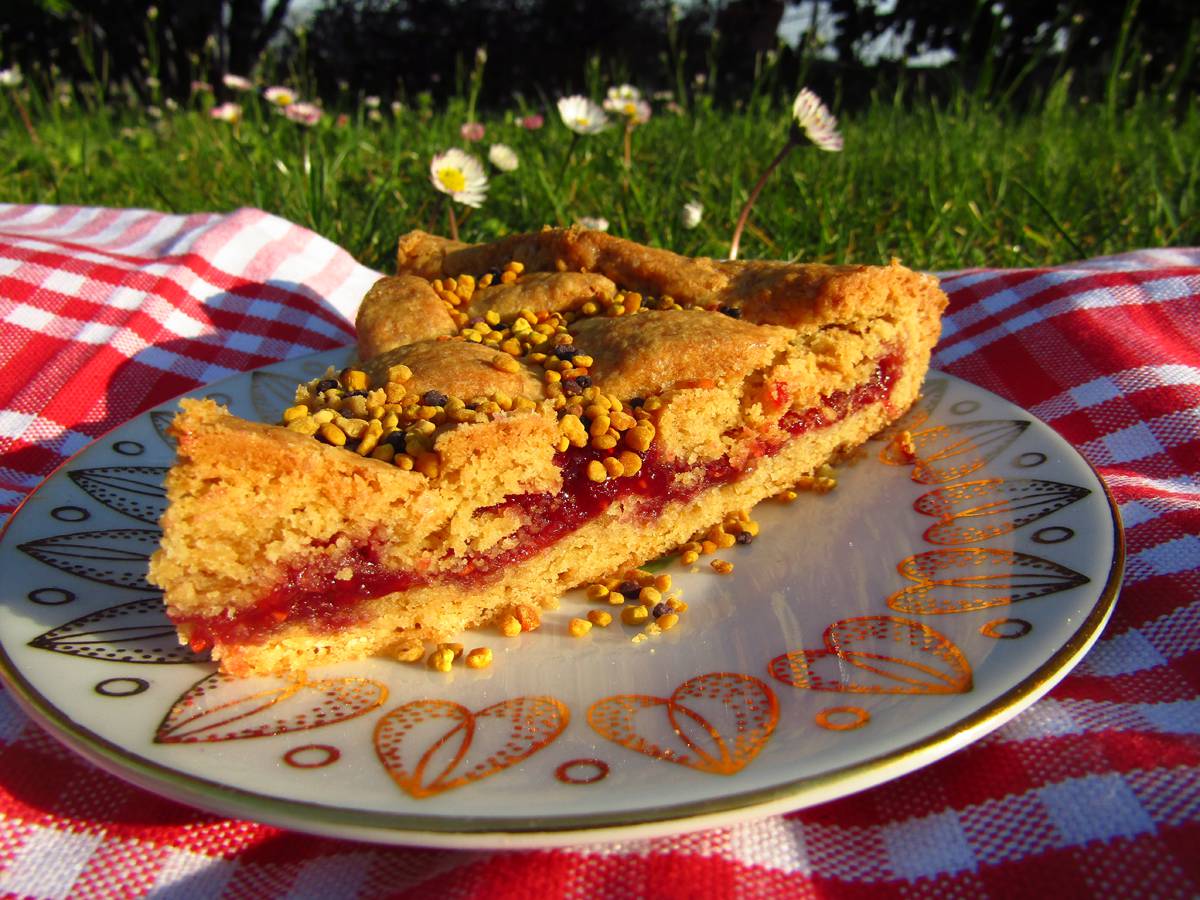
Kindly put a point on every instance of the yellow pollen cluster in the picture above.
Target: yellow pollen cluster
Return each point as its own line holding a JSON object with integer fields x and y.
{"x": 520, "y": 618}
{"x": 601, "y": 422}
{"x": 521, "y": 334}
{"x": 645, "y": 599}
{"x": 456, "y": 292}
{"x": 822, "y": 481}
{"x": 738, "y": 528}
{"x": 388, "y": 423}
{"x": 445, "y": 655}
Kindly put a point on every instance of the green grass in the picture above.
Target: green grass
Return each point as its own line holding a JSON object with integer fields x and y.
{"x": 963, "y": 183}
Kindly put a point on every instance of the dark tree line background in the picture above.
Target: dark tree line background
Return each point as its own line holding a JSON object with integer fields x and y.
{"x": 397, "y": 49}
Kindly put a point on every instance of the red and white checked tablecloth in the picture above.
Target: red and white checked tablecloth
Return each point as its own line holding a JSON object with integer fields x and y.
{"x": 1094, "y": 790}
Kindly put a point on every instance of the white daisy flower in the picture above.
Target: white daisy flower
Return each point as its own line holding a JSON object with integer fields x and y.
{"x": 595, "y": 223}
{"x": 280, "y": 96}
{"x": 817, "y": 121}
{"x": 227, "y": 112}
{"x": 620, "y": 95}
{"x": 460, "y": 175}
{"x": 10, "y": 77}
{"x": 627, "y": 101}
{"x": 691, "y": 215}
{"x": 237, "y": 83}
{"x": 581, "y": 115}
{"x": 503, "y": 157}
{"x": 307, "y": 114}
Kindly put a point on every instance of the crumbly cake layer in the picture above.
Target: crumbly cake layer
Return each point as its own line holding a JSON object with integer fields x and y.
{"x": 490, "y": 472}
{"x": 615, "y": 539}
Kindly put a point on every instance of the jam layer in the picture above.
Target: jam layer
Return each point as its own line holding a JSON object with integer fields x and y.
{"x": 327, "y": 594}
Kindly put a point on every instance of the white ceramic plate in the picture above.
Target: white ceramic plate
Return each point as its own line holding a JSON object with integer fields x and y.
{"x": 865, "y": 633}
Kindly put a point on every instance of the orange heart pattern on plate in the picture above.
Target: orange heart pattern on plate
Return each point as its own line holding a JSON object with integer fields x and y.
{"x": 716, "y": 723}
{"x": 878, "y": 655}
{"x": 955, "y": 581}
{"x": 948, "y": 452}
{"x": 430, "y": 746}
{"x": 978, "y": 510}
{"x": 221, "y": 708}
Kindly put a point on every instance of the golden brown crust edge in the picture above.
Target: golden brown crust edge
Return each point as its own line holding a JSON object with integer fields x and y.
{"x": 797, "y": 295}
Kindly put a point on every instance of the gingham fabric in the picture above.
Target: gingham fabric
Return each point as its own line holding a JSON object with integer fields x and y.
{"x": 1095, "y": 790}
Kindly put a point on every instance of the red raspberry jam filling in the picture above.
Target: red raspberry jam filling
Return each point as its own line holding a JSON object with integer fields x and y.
{"x": 312, "y": 592}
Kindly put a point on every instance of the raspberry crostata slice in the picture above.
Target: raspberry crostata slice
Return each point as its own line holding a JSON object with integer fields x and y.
{"x": 524, "y": 417}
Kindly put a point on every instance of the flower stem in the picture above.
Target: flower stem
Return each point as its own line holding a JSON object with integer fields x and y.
{"x": 551, "y": 195}
{"x": 567, "y": 159}
{"x": 628, "y": 144}
{"x": 453, "y": 221}
{"x": 33, "y": 135}
{"x": 754, "y": 192}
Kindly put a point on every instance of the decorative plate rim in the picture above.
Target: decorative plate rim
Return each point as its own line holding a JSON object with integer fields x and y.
{"x": 541, "y": 830}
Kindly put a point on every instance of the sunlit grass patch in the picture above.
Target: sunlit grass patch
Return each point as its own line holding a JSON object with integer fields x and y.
{"x": 964, "y": 182}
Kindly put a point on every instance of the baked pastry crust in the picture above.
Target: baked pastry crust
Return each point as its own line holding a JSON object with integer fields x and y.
{"x": 528, "y": 415}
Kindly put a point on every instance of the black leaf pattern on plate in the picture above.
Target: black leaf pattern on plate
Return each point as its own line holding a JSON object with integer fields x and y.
{"x": 979, "y": 510}
{"x": 136, "y": 491}
{"x": 118, "y": 557}
{"x": 272, "y": 394}
{"x": 134, "y": 632}
{"x": 161, "y": 419}
{"x": 966, "y": 580}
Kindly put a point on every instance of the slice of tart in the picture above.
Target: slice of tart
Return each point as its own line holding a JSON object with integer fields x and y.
{"x": 525, "y": 417}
